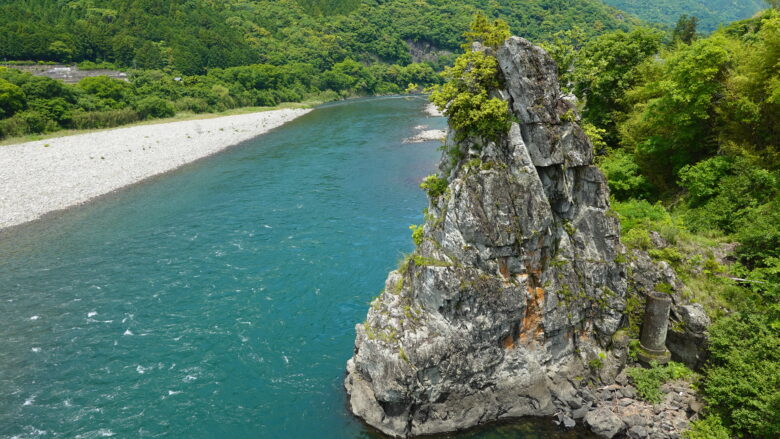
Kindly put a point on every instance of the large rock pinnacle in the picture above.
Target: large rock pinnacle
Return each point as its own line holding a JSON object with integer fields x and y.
{"x": 512, "y": 298}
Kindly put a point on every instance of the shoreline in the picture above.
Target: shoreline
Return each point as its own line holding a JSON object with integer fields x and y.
{"x": 42, "y": 177}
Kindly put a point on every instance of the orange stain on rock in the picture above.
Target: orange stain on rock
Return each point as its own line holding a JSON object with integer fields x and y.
{"x": 508, "y": 342}
{"x": 503, "y": 268}
{"x": 532, "y": 323}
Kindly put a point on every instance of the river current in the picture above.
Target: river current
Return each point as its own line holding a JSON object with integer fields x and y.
{"x": 218, "y": 301}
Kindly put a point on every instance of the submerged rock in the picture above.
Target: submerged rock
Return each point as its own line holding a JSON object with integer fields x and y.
{"x": 508, "y": 306}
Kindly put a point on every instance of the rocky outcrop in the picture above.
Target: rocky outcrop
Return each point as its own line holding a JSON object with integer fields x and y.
{"x": 688, "y": 322}
{"x": 620, "y": 414}
{"x": 687, "y": 337}
{"x": 508, "y": 306}
{"x": 424, "y": 51}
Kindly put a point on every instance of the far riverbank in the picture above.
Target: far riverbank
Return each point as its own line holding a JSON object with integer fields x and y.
{"x": 47, "y": 175}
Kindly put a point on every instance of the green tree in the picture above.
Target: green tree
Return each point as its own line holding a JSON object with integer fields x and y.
{"x": 564, "y": 49}
{"x": 685, "y": 30}
{"x": 490, "y": 34}
{"x": 675, "y": 126}
{"x": 154, "y": 107}
{"x": 60, "y": 51}
{"x": 606, "y": 68}
{"x": 465, "y": 95}
{"x": 112, "y": 92}
{"x": 149, "y": 56}
{"x": 12, "y": 99}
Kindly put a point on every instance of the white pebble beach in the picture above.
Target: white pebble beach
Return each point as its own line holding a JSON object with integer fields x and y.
{"x": 43, "y": 176}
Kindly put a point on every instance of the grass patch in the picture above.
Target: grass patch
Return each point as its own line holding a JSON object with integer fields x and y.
{"x": 422, "y": 261}
{"x": 648, "y": 382}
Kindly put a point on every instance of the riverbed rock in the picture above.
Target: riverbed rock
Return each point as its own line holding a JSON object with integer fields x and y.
{"x": 604, "y": 423}
{"x": 641, "y": 420}
{"x": 508, "y": 306}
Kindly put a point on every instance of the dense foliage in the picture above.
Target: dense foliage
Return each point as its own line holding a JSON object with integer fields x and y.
{"x": 194, "y": 35}
{"x": 243, "y": 53}
{"x": 33, "y": 104}
{"x": 711, "y": 13}
{"x": 743, "y": 384}
{"x": 686, "y": 127}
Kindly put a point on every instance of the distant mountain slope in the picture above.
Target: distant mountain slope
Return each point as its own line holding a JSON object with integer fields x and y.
{"x": 191, "y": 36}
{"x": 711, "y": 13}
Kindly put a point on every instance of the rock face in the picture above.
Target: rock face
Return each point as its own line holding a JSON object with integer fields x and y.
{"x": 509, "y": 304}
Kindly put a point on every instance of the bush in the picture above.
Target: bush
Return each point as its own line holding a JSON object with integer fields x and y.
{"x": 154, "y": 107}
{"x": 701, "y": 180}
{"x": 710, "y": 427}
{"x": 648, "y": 381}
{"x": 465, "y": 97}
{"x": 13, "y": 127}
{"x": 195, "y": 105}
{"x": 640, "y": 214}
{"x": 90, "y": 65}
{"x": 37, "y": 122}
{"x": 11, "y": 98}
{"x": 637, "y": 238}
{"x": 103, "y": 119}
{"x": 417, "y": 234}
{"x": 742, "y": 382}
{"x": 730, "y": 198}
{"x": 105, "y": 88}
{"x": 623, "y": 175}
{"x": 434, "y": 185}
{"x": 56, "y": 109}
{"x": 758, "y": 232}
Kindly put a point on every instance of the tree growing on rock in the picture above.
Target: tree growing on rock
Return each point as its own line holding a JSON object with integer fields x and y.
{"x": 465, "y": 97}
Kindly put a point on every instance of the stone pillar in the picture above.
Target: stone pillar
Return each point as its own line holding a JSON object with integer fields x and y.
{"x": 652, "y": 343}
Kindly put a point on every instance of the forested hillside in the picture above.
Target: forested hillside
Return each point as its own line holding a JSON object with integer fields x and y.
{"x": 205, "y": 56}
{"x": 688, "y": 137}
{"x": 710, "y": 13}
{"x": 194, "y": 35}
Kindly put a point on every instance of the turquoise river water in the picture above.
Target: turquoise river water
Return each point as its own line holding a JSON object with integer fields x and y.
{"x": 218, "y": 301}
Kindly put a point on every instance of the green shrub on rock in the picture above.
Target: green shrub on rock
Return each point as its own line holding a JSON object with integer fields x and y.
{"x": 417, "y": 233}
{"x": 465, "y": 97}
{"x": 434, "y": 185}
{"x": 648, "y": 382}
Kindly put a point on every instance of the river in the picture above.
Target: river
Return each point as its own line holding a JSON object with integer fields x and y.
{"x": 218, "y": 301}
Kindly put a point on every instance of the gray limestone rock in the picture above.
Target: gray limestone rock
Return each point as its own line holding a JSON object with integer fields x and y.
{"x": 687, "y": 335}
{"x": 687, "y": 338}
{"x": 694, "y": 318}
{"x": 637, "y": 432}
{"x": 514, "y": 293}
{"x": 604, "y": 423}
